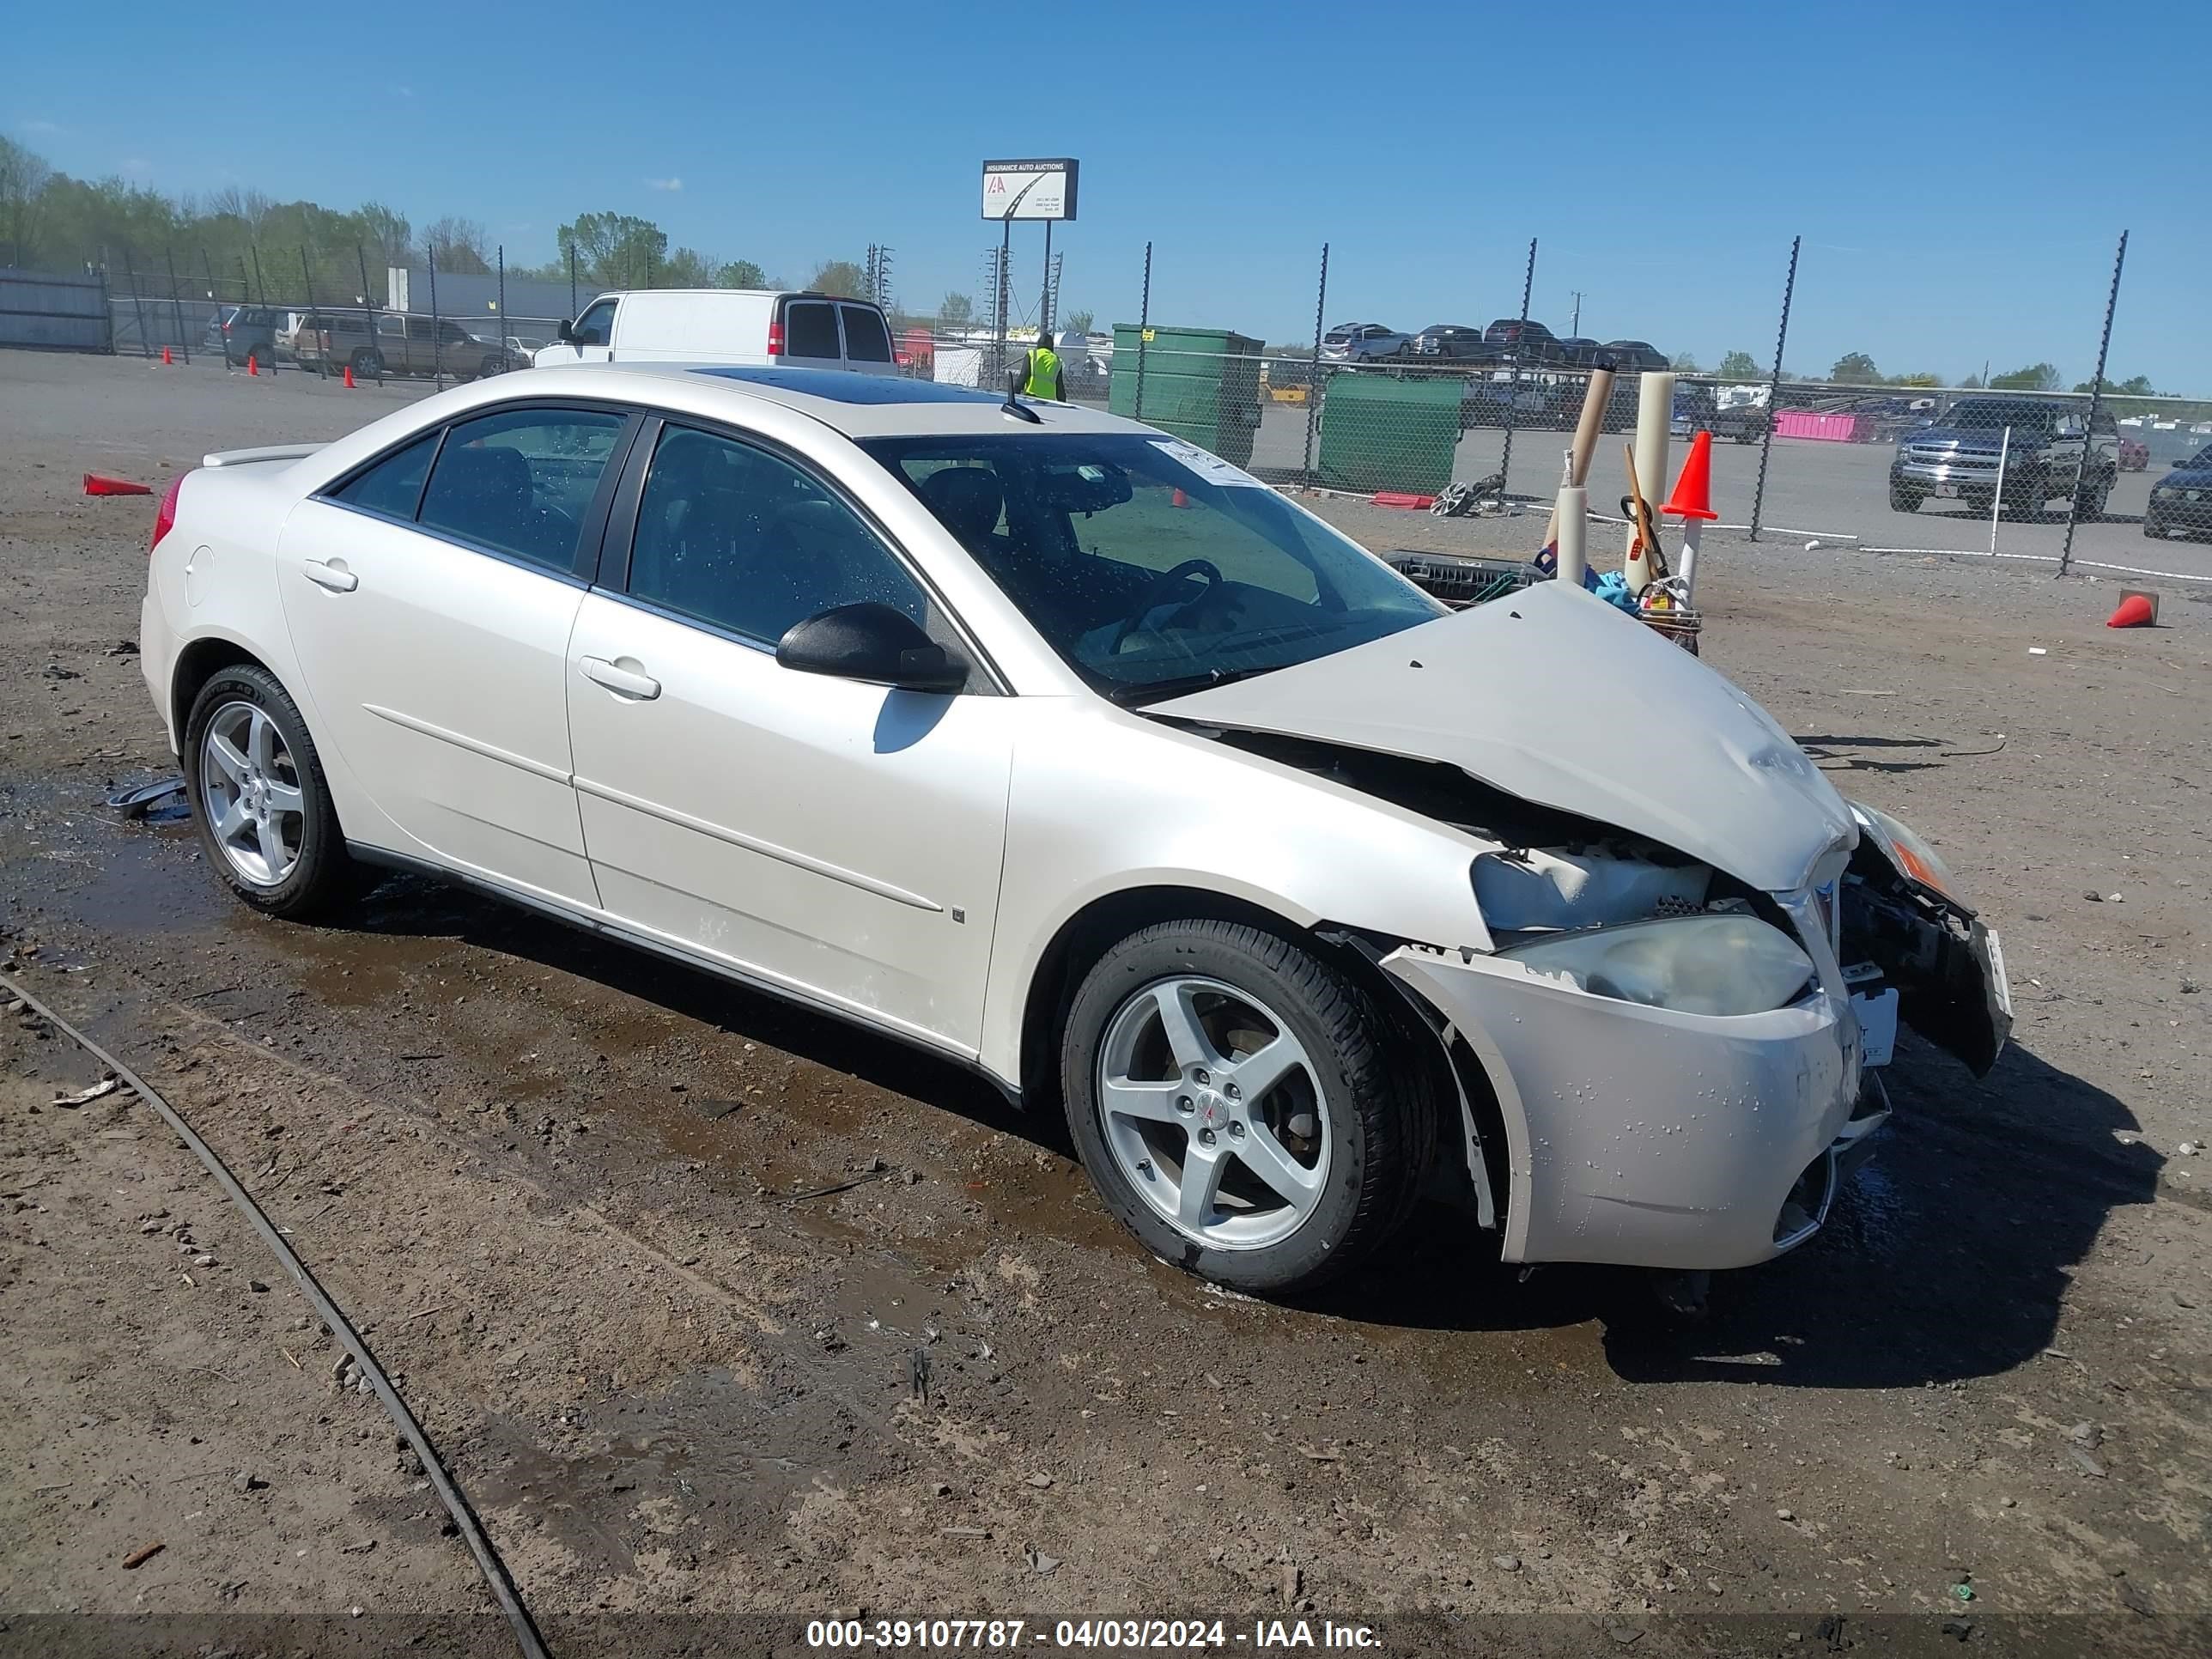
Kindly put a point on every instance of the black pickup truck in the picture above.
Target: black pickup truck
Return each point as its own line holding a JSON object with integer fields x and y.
{"x": 2051, "y": 452}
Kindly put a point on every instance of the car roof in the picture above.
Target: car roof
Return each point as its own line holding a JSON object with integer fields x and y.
{"x": 858, "y": 406}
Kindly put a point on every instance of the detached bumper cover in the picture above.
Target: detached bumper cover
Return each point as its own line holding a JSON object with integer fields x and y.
{"x": 1641, "y": 1137}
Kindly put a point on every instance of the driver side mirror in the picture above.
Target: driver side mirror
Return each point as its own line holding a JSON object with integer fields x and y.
{"x": 874, "y": 643}
{"x": 565, "y": 331}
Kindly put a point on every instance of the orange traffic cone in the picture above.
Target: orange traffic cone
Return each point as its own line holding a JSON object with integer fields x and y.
{"x": 2133, "y": 611}
{"x": 166, "y": 360}
{"x": 1180, "y": 499}
{"x": 1693, "y": 490}
{"x": 251, "y": 367}
{"x": 348, "y": 377}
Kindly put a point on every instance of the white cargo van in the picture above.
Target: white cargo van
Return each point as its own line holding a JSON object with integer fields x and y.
{"x": 726, "y": 325}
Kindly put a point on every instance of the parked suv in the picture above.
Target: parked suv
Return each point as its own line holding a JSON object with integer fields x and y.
{"x": 332, "y": 340}
{"x": 1363, "y": 343}
{"x": 243, "y": 331}
{"x": 2181, "y": 501}
{"x": 2051, "y": 452}
{"x": 1451, "y": 340}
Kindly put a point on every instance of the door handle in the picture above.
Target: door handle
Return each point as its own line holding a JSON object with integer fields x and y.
{"x": 333, "y": 576}
{"x": 622, "y": 682}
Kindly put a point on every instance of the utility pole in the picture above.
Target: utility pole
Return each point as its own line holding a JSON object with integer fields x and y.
{"x": 1575, "y": 328}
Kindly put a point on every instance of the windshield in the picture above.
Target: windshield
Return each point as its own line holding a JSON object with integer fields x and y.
{"x": 1985, "y": 414}
{"x": 1150, "y": 566}
{"x": 2200, "y": 462}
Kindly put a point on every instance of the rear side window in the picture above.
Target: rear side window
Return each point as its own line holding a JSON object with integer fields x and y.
{"x": 810, "y": 330}
{"x": 521, "y": 482}
{"x": 394, "y": 484}
{"x": 866, "y": 339}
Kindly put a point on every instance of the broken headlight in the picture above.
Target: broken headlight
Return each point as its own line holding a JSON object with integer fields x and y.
{"x": 1709, "y": 964}
{"x": 1911, "y": 855}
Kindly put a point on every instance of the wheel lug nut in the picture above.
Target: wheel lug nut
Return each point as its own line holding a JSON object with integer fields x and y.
{"x": 1237, "y": 1131}
{"x": 1205, "y": 1137}
{"x": 1183, "y": 1103}
{"x": 1234, "y": 1092}
{"x": 1201, "y": 1076}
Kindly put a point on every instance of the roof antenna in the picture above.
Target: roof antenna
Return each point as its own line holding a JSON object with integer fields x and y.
{"x": 1014, "y": 378}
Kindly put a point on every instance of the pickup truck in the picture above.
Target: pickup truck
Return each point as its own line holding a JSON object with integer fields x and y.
{"x": 2051, "y": 452}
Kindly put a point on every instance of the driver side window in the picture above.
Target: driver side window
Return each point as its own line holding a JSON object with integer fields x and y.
{"x": 596, "y": 327}
{"x": 742, "y": 540}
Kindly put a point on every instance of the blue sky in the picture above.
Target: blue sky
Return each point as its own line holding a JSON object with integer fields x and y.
{"x": 1960, "y": 172}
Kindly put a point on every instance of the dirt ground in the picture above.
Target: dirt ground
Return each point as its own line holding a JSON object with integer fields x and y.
{"x": 726, "y": 1317}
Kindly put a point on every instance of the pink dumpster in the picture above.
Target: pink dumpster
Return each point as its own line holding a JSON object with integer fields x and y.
{"x": 1834, "y": 428}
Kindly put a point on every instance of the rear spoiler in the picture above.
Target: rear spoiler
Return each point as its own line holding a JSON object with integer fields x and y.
{"x": 266, "y": 453}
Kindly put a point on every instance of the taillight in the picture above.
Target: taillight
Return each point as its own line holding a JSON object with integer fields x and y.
{"x": 165, "y": 516}
{"x": 775, "y": 339}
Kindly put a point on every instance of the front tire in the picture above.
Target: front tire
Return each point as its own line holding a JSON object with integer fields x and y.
{"x": 1246, "y": 1109}
{"x": 259, "y": 800}
{"x": 1902, "y": 498}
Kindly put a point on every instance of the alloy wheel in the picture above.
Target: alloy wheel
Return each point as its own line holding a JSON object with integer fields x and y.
{"x": 1212, "y": 1108}
{"x": 250, "y": 794}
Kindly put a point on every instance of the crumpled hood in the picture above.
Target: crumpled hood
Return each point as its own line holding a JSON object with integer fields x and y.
{"x": 1557, "y": 697}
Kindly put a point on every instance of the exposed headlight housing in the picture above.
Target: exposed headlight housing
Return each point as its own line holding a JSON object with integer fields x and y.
{"x": 1911, "y": 854}
{"x": 1710, "y": 964}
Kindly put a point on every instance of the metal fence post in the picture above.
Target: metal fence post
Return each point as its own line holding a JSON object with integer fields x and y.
{"x": 437, "y": 345}
{"x": 368, "y": 313}
{"x": 260, "y": 288}
{"x": 145, "y": 348}
{"x": 1313, "y": 372}
{"x": 176, "y": 308}
{"x": 307, "y": 277}
{"x": 1774, "y": 388}
{"x": 1513, "y": 384}
{"x": 572, "y": 280}
{"x": 106, "y": 311}
{"x": 503, "y": 335}
{"x": 1144, "y": 330}
{"x": 2096, "y": 401}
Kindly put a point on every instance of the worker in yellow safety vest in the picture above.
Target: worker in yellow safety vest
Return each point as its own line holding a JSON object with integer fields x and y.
{"x": 1044, "y": 372}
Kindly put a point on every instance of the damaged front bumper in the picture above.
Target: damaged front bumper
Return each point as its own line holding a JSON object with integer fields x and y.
{"x": 1643, "y": 1137}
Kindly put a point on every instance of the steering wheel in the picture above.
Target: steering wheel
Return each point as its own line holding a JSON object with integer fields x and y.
{"x": 1156, "y": 591}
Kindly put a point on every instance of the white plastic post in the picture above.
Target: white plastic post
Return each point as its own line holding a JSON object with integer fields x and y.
{"x": 1655, "y": 410}
{"x": 1686, "y": 565}
{"x": 1574, "y": 533}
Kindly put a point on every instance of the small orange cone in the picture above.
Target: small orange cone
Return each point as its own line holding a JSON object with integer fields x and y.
{"x": 1181, "y": 499}
{"x": 348, "y": 377}
{"x": 251, "y": 367}
{"x": 166, "y": 361}
{"x": 2133, "y": 611}
{"x": 101, "y": 483}
{"x": 1693, "y": 490}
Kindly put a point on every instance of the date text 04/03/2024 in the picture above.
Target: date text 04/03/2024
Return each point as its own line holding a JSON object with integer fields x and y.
{"x": 1264, "y": 1635}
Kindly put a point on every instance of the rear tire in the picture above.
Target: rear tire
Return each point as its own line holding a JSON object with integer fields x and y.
{"x": 1353, "y": 1112}
{"x": 2094, "y": 496}
{"x": 368, "y": 364}
{"x": 300, "y": 867}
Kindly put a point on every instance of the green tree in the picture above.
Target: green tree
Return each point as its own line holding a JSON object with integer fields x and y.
{"x": 391, "y": 238}
{"x": 954, "y": 309}
{"x": 615, "y": 250}
{"x": 1079, "y": 322}
{"x": 686, "y": 268}
{"x": 1854, "y": 369}
{"x": 839, "y": 276}
{"x": 458, "y": 244}
{"x": 741, "y": 273}
{"x": 1971, "y": 383}
{"x": 2035, "y": 377}
{"x": 1738, "y": 366}
{"x": 24, "y": 177}
{"x": 1685, "y": 362}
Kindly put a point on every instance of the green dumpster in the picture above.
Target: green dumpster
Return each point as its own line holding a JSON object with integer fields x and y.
{"x": 1201, "y": 384}
{"x": 1378, "y": 432}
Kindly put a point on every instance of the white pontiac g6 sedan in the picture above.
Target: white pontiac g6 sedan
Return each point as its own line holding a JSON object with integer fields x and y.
{"x": 1052, "y": 744}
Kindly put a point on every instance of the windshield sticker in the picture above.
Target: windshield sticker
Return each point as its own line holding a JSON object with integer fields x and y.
{"x": 1210, "y": 469}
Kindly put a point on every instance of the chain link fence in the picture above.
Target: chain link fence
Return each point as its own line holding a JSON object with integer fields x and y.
{"x": 1473, "y": 419}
